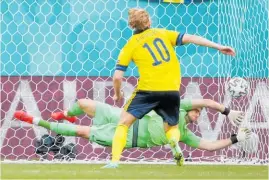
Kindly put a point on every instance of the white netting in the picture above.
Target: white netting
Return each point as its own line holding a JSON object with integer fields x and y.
{"x": 54, "y": 52}
{"x": 244, "y": 25}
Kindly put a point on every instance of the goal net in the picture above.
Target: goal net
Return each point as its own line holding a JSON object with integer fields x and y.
{"x": 55, "y": 52}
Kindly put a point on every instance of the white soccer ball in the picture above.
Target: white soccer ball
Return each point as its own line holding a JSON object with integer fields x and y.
{"x": 237, "y": 87}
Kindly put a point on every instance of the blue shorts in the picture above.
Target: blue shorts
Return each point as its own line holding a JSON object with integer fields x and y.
{"x": 164, "y": 103}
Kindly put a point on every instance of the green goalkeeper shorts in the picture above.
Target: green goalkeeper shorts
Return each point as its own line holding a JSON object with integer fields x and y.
{"x": 105, "y": 122}
{"x": 103, "y": 135}
{"x": 105, "y": 113}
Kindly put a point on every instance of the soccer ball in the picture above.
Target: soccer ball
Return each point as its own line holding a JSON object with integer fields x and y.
{"x": 237, "y": 87}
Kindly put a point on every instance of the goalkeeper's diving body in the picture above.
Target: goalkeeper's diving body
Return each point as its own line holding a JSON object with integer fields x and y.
{"x": 145, "y": 133}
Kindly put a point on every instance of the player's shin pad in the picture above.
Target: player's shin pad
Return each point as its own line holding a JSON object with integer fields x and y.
{"x": 173, "y": 134}
{"x": 119, "y": 142}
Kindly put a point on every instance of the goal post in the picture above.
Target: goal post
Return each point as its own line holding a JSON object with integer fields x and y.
{"x": 55, "y": 52}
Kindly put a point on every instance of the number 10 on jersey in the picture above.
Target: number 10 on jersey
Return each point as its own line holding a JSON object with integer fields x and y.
{"x": 158, "y": 44}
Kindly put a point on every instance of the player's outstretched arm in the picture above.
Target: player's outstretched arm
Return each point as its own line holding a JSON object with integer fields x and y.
{"x": 242, "y": 135}
{"x": 188, "y": 38}
{"x": 235, "y": 117}
{"x": 208, "y": 103}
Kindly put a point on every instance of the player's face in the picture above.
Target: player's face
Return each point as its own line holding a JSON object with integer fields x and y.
{"x": 194, "y": 114}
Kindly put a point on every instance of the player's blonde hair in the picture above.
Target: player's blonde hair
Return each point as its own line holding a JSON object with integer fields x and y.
{"x": 139, "y": 19}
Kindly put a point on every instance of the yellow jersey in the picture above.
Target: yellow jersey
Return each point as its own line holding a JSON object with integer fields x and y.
{"x": 152, "y": 50}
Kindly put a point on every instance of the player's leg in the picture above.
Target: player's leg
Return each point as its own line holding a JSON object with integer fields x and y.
{"x": 168, "y": 109}
{"x": 59, "y": 128}
{"x": 103, "y": 134}
{"x": 120, "y": 136}
{"x": 101, "y": 113}
{"x": 88, "y": 106}
{"x": 135, "y": 108}
{"x": 173, "y": 136}
{"x": 105, "y": 113}
{"x": 82, "y": 106}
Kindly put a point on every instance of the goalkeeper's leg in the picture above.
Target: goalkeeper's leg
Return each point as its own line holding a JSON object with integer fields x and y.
{"x": 59, "y": 128}
{"x": 82, "y": 106}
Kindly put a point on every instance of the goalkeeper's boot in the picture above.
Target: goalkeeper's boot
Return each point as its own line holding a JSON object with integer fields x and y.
{"x": 111, "y": 165}
{"x": 177, "y": 153}
{"x": 23, "y": 116}
{"x": 61, "y": 116}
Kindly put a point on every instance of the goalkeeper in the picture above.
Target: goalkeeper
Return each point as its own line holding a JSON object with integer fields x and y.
{"x": 145, "y": 133}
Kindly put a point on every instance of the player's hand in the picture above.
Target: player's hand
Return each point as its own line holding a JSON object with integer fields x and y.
{"x": 117, "y": 98}
{"x": 236, "y": 117}
{"x": 227, "y": 50}
{"x": 243, "y": 134}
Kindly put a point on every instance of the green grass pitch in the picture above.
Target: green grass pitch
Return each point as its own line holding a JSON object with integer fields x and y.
{"x": 131, "y": 171}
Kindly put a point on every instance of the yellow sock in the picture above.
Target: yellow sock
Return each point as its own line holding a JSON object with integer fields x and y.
{"x": 173, "y": 133}
{"x": 119, "y": 142}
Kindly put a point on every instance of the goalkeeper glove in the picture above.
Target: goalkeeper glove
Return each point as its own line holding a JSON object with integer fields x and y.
{"x": 242, "y": 135}
{"x": 235, "y": 117}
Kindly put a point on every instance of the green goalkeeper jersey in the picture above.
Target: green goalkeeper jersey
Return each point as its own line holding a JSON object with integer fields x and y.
{"x": 146, "y": 132}
{"x": 157, "y": 133}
